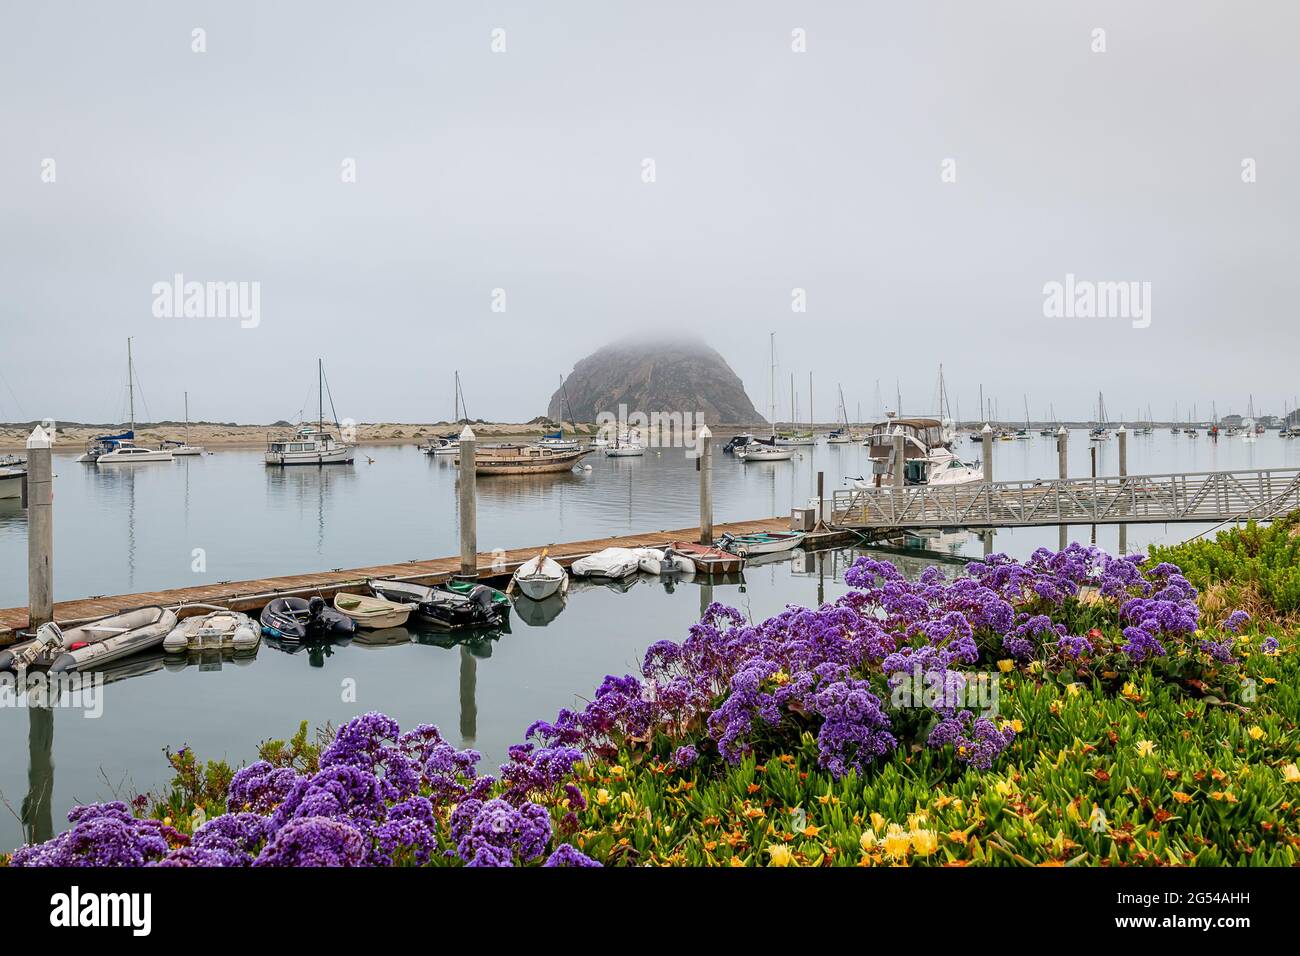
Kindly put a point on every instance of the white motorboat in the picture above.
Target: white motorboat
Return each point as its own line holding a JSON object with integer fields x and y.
{"x": 442, "y": 445}
{"x": 927, "y": 459}
{"x": 93, "y": 644}
{"x": 540, "y": 577}
{"x": 129, "y": 454}
{"x": 797, "y": 440}
{"x": 11, "y": 481}
{"x": 770, "y": 542}
{"x": 611, "y": 563}
{"x": 219, "y": 628}
{"x": 664, "y": 561}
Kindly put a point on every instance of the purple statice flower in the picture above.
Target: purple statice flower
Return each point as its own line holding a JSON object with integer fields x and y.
{"x": 1270, "y": 645}
{"x": 566, "y": 855}
{"x": 1236, "y": 621}
{"x": 1141, "y": 645}
{"x": 408, "y": 830}
{"x": 855, "y": 728}
{"x": 1072, "y": 646}
{"x": 496, "y": 833}
{"x": 976, "y": 741}
{"x": 102, "y": 835}
{"x": 203, "y": 857}
{"x": 536, "y": 772}
{"x": 1220, "y": 651}
{"x": 1030, "y": 634}
{"x": 684, "y": 756}
{"x": 239, "y": 834}
{"x": 314, "y": 841}
{"x": 260, "y": 787}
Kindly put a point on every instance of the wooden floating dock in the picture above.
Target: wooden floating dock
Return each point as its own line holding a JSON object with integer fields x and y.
{"x": 252, "y": 595}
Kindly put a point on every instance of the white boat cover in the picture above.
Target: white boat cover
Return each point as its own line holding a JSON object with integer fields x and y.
{"x": 610, "y": 563}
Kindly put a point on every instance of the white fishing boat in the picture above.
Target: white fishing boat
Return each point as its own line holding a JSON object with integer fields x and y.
{"x": 611, "y": 563}
{"x": 12, "y": 471}
{"x": 311, "y": 445}
{"x": 770, "y": 542}
{"x": 370, "y": 612}
{"x": 93, "y": 644}
{"x": 220, "y": 628}
{"x": 540, "y": 577}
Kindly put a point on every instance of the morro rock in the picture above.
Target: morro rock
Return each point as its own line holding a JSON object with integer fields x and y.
{"x": 677, "y": 375}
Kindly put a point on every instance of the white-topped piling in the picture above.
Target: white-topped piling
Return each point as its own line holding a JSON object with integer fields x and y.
{"x": 900, "y": 456}
{"x": 468, "y": 507}
{"x": 704, "y": 442}
{"x": 986, "y": 438}
{"x": 40, "y": 528}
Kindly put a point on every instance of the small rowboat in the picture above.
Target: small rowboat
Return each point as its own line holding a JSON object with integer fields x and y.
{"x": 540, "y": 577}
{"x": 371, "y": 613}
{"x": 709, "y": 560}
{"x": 761, "y": 543}
{"x": 219, "y": 628}
{"x": 91, "y": 645}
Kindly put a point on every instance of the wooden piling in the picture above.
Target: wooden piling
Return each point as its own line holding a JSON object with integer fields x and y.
{"x": 705, "y": 443}
{"x": 468, "y": 506}
{"x": 900, "y": 457}
{"x": 40, "y": 528}
{"x": 986, "y": 437}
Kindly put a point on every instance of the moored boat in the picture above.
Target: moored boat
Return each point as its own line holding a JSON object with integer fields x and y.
{"x": 93, "y": 644}
{"x": 454, "y": 606}
{"x": 293, "y": 619}
{"x": 371, "y": 613}
{"x": 709, "y": 559}
{"x": 556, "y": 441}
{"x": 523, "y": 459}
{"x": 11, "y": 480}
{"x": 311, "y": 445}
{"x": 767, "y": 542}
{"x": 611, "y": 563}
{"x": 663, "y": 561}
{"x": 219, "y": 628}
{"x": 540, "y": 577}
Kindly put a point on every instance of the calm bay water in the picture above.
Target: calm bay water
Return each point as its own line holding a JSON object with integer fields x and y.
{"x": 136, "y": 529}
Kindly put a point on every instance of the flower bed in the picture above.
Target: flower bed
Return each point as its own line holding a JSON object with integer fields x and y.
{"x": 1069, "y": 709}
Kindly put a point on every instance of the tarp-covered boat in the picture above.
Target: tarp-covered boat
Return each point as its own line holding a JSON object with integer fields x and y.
{"x": 611, "y": 563}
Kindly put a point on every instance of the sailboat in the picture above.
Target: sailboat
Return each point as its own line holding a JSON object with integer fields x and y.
{"x": 792, "y": 438}
{"x": 1190, "y": 431}
{"x": 121, "y": 450}
{"x": 841, "y": 435}
{"x": 1248, "y": 423}
{"x": 1102, "y": 431}
{"x": 184, "y": 448}
{"x": 766, "y": 449}
{"x": 311, "y": 445}
{"x": 555, "y": 441}
{"x": 1146, "y": 429}
{"x": 449, "y": 444}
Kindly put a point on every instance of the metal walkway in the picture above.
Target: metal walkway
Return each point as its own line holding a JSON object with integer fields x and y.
{"x": 1133, "y": 499}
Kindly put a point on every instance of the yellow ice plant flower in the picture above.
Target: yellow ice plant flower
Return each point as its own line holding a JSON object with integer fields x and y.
{"x": 1005, "y": 665}
{"x": 1256, "y": 732}
{"x": 1130, "y": 691}
{"x": 878, "y": 822}
{"x": 1073, "y": 689}
{"x": 924, "y": 842}
{"x": 1145, "y": 748}
{"x": 897, "y": 841}
{"x": 811, "y": 831}
{"x": 602, "y": 796}
{"x": 1291, "y": 773}
{"x": 916, "y": 820}
{"x": 779, "y": 855}
{"x": 781, "y": 678}
{"x": 868, "y": 839}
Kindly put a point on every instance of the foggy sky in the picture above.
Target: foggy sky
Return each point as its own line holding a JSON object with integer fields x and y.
{"x": 523, "y": 171}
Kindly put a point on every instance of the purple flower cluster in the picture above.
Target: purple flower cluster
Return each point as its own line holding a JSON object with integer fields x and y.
{"x": 496, "y": 833}
{"x": 102, "y": 834}
{"x": 975, "y": 740}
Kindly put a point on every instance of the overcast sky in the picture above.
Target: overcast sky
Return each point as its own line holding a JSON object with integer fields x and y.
{"x": 523, "y": 171}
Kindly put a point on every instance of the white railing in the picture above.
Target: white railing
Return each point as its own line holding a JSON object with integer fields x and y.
{"x": 1196, "y": 496}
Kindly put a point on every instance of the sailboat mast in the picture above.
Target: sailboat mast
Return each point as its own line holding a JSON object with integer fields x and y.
{"x": 320, "y": 395}
{"x": 771, "y": 388}
{"x": 187, "y": 418}
{"x": 130, "y": 382}
{"x": 810, "y": 403}
{"x": 455, "y": 398}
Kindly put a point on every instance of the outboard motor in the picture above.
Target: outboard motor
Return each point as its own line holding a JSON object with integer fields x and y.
{"x": 481, "y": 596}
{"x": 315, "y": 606}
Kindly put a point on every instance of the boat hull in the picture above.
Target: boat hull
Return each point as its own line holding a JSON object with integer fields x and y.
{"x": 334, "y": 456}
{"x": 11, "y": 484}
{"x": 219, "y": 629}
{"x": 709, "y": 560}
{"x": 112, "y": 639}
{"x": 751, "y": 544}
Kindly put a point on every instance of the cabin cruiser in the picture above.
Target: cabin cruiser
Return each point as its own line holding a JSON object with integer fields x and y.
{"x": 738, "y": 441}
{"x": 442, "y": 445}
{"x": 763, "y": 449}
{"x": 310, "y": 445}
{"x": 927, "y": 457}
{"x": 103, "y": 444}
{"x": 129, "y": 453}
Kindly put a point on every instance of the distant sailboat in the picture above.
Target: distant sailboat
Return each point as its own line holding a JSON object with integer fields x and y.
{"x": 766, "y": 449}
{"x": 185, "y": 448}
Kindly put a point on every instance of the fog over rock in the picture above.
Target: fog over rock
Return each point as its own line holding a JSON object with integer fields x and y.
{"x": 654, "y": 375}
